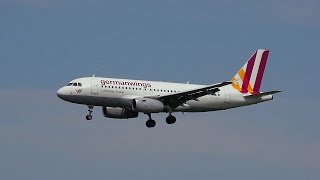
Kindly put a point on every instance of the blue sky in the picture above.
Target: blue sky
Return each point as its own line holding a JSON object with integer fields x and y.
{"x": 46, "y": 43}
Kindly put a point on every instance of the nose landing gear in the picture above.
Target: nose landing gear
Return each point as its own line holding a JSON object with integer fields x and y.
{"x": 89, "y": 116}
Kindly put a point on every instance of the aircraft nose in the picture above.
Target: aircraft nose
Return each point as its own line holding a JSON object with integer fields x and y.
{"x": 61, "y": 93}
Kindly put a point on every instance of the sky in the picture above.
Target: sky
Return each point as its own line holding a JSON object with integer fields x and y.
{"x": 46, "y": 43}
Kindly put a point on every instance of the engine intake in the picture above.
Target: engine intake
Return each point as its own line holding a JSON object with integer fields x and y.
{"x": 118, "y": 113}
{"x": 147, "y": 105}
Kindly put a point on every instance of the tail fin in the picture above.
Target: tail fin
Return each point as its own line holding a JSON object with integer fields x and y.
{"x": 249, "y": 77}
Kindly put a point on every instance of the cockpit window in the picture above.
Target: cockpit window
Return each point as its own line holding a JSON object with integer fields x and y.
{"x": 74, "y": 84}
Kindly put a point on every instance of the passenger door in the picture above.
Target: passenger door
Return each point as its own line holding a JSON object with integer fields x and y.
{"x": 94, "y": 86}
{"x": 227, "y": 96}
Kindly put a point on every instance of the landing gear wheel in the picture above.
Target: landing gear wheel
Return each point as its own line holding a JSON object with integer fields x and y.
{"x": 88, "y": 117}
{"x": 150, "y": 123}
{"x": 171, "y": 120}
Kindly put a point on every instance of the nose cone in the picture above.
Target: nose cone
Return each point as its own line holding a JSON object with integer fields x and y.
{"x": 62, "y": 93}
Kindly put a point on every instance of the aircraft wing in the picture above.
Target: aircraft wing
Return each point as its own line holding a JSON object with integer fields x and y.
{"x": 177, "y": 99}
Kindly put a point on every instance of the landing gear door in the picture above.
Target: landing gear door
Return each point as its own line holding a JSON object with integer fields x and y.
{"x": 94, "y": 85}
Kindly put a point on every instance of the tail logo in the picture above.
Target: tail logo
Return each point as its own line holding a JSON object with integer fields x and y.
{"x": 249, "y": 77}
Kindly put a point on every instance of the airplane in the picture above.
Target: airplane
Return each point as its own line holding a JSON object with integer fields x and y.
{"x": 126, "y": 98}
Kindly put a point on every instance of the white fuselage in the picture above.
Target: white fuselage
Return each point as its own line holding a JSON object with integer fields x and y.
{"x": 126, "y": 98}
{"x": 111, "y": 92}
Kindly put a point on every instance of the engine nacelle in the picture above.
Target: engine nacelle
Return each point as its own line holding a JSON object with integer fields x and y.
{"x": 118, "y": 113}
{"x": 147, "y": 105}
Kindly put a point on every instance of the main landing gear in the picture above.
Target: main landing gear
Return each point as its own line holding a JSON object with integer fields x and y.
{"x": 171, "y": 119}
{"x": 89, "y": 116}
{"x": 151, "y": 123}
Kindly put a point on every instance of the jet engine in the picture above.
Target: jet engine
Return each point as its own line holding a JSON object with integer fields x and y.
{"x": 118, "y": 113}
{"x": 147, "y": 105}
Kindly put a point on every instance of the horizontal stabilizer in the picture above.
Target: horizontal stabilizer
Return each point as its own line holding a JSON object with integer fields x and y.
{"x": 263, "y": 94}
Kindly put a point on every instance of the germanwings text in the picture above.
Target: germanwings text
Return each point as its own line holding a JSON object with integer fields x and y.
{"x": 125, "y": 83}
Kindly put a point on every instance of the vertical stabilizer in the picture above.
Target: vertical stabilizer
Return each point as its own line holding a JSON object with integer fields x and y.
{"x": 249, "y": 77}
